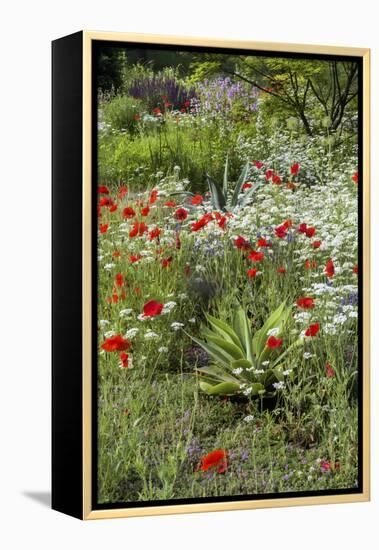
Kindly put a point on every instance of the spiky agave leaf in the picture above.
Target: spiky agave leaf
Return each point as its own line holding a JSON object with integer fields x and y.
{"x": 239, "y": 184}
{"x": 241, "y": 326}
{"x": 217, "y": 196}
{"x": 225, "y": 181}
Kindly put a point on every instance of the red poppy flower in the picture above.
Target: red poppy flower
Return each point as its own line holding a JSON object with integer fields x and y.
{"x": 134, "y": 258}
{"x": 103, "y": 190}
{"x": 157, "y": 111}
{"x": 154, "y": 234}
{"x": 139, "y": 228}
{"x": 329, "y": 370}
{"x": 329, "y": 269}
{"x": 145, "y": 211}
{"x": 310, "y": 231}
{"x": 287, "y": 224}
{"x": 153, "y": 196}
{"x": 187, "y": 103}
{"x": 281, "y": 231}
{"x": 355, "y": 178}
{"x": 216, "y": 459}
{"x": 295, "y": 169}
{"x": 124, "y": 360}
{"x": 312, "y": 330}
{"x": 258, "y": 164}
{"x": 281, "y": 269}
{"x": 113, "y": 299}
{"x": 103, "y": 227}
{"x": 197, "y": 199}
{"x": 122, "y": 192}
{"x": 170, "y": 204}
{"x": 310, "y": 264}
{"x": 325, "y": 465}
{"x": 291, "y": 185}
{"x": 181, "y": 214}
{"x": 119, "y": 279}
{"x": 202, "y": 222}
{"x": 305, "y": 303}
{"x": 255, "y": 256}
{"x": 262, "y": 243}
{"x": 316, "y": 244}
{"x": 166, "y": 261}
{"x": 252, "y": 272}
{"x": 247, "y": 185}
{"x": 269, "y": 174}
{"x": 105, "y": 201}
{"x": 128, "y": 213}
{"x": 355, "y": 269}
{"x": 276, "y": 180}
{"x": 115, "y": 343}
{"x": 302, "y": 228}
{"x": 242, "y": 243}
{"x": 116, "y": 254}
{"x": 152, "y": 308}
{"x": 222, "y": 222}
{"x": 113, "y": 208}
{"x": 273, "y": 342}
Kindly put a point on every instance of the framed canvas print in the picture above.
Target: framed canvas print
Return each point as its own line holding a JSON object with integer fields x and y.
{"x": 210, "y": 275}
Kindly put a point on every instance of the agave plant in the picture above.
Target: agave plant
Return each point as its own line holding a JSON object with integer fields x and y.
{"x": 221, "y": 199}
{"x": 243, "y": 363}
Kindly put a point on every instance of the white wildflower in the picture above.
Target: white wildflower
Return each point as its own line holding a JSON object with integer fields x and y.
{"x": 176, "y": 325}
{"x": 238, "y": 370}
{"x": 131, "y": 333}
{"x": 150, "y": 335}
{"x": 125, "y": 312}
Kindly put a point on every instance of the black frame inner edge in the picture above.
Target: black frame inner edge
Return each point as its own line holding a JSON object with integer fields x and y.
{"x": 98, "y": 45}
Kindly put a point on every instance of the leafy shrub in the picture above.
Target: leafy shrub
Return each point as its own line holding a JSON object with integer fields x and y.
{"x": 122, "y": 113}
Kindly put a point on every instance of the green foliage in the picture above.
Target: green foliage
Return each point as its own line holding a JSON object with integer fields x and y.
{"x": 200, "y": 70}
{"x": 219, "y": 194}
{"x": 240, "y": 358}
{"x": 110, "y": 68}
{"x": 122, "y": 113}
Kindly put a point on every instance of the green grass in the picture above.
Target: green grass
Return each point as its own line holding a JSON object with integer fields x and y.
{"x": 154, "y": 429}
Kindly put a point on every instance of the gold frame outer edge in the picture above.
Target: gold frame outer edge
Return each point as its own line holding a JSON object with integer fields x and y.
{"x": 88, "y": 513}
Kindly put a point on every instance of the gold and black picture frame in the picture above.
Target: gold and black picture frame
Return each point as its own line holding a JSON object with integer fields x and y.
{"x": 211, "y": 283}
